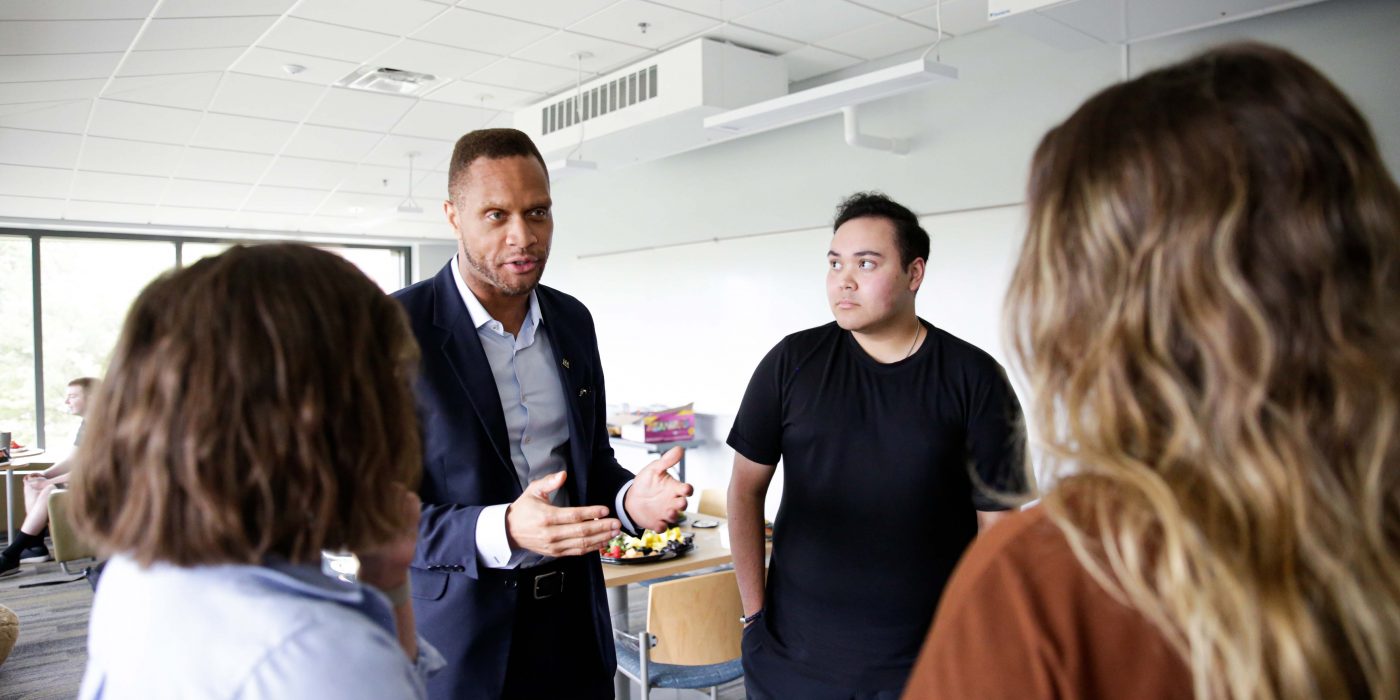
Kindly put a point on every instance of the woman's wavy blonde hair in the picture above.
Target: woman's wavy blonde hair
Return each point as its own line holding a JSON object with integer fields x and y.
{"x": 257, "y": 406}
{"x": 1207, "y": 307}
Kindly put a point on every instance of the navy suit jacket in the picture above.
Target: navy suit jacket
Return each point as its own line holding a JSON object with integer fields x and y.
{"x": 467, "y": 466}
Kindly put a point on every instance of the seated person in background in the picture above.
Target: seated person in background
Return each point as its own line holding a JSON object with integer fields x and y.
{"x": 257, "y": 411}
{"x": 38, "y": 486}
{"x": 1205, "y": 307}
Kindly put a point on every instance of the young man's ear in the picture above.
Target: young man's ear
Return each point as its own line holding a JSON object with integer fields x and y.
{"x": 916, "y": 274}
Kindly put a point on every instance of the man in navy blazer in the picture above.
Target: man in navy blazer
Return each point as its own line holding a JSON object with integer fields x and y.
{"x": 520, "y": 486}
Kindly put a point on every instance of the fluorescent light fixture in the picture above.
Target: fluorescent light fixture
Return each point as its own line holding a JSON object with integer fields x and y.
{"x": 565, "y": 167}
{"x": 832, "y": 97}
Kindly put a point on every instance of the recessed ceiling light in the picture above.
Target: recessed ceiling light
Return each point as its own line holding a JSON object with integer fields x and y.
{"x": 292, "y": 68}
{"x": 390, "y": 80}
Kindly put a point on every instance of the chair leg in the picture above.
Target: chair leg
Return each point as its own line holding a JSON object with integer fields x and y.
{"x": 714, "y": 692}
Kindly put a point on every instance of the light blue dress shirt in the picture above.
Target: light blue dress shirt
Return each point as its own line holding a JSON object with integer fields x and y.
{"x": 246, "y": 632}
{"x": 537, "y": 419}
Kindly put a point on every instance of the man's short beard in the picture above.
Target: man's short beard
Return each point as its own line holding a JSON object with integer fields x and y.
{"x": 495, "y": 280}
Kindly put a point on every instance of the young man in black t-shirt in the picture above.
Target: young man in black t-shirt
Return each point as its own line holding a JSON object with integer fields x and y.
{"x": 897, "y": 439}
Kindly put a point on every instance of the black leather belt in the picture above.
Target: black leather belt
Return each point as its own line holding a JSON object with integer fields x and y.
{"x": 541, "y": 582}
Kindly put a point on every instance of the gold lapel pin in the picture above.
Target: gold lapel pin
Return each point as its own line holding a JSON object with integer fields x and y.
{"x": 566, "y": 363}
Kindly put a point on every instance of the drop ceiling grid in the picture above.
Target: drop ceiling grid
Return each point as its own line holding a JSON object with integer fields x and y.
{"x": 238, "y": 92}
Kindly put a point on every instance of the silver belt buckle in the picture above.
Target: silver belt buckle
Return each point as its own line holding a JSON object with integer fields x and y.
{"x": 549, "y": 585}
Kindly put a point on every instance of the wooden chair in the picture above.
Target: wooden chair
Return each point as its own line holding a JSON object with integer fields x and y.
{"x": 67, "y": 546}
{"x": 714, "y": 502}
{"x": 692, "y": 636}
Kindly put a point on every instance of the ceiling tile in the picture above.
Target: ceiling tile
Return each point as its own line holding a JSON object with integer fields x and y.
{"x": 47, "y": 91}
{"x": 719, "y": 9}
{"x": 483, "y": 32}
{"x": 524, "y": 75}
{"x": 900, "y": 7}
{"x": 221, "y": 165}
{"x": 318, "y": 39}
{"x": 959, "y": 18}
{"x": 143, "y": 122}
{"x": 83, "y": 36}
{"x": 384, "y": 180}
{"x": 393, "y": 151}
{"x": 202, "y": 32}
{"x": 810, "y": 20}
{"x": 24, "y": 181}
{"x": 879, "y": 40}
{"x": 316, "y": 70}
{"x": 129, "y": 157}
{"x": 242, "y": 133}
{"x": 99, "y": 9}
{"x": 57, "y": 67}
{"x": 107, "y": 187}
{"x": 266, "y": 98}
{"x": 434, "y": 59}
{"x": 753, "y": 39}
{"x": 114, "y": 212}
{"x": 178, "y": 61}
{"x": 560, "y": 49}
{"x": 436, "y": 120}
{"x": 359, "y": 205}
{"x": 810, "y": 61}
{"x": 264, "y": 221}
{"x": 39, "y": 148}
{"x": 551, "y": 13}
{"x": 189, "y": 216}
{"x": 31, "y": 207}
{"x": 205, "y": 195}
{"x": 222, "y": 8}
{"x": 470, "y": 94}
{"x": 70, "y": 116}
{"x": 306, "y": 173}
{"x": 397, "y": 17}
{"x": 355, "y": 109}
{"x": 283, "y": 200}
{"x": 330, "y": 143}
{"x": 189, "y": 91}
{"x": 665, "y": 25}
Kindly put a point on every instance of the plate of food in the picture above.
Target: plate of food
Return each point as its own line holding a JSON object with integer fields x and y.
{"x": 649, "y": 548}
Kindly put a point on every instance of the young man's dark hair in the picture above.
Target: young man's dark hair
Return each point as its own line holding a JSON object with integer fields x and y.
{"x": 489, "y": 143}
{"x": 911, "y": 238}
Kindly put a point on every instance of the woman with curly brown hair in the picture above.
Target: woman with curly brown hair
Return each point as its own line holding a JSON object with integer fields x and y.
{"x": 257, "y": 411}
{"x": 1205, "y": 307}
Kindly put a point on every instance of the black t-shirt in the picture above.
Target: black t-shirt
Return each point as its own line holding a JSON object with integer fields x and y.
{"x": 879, "y": 498}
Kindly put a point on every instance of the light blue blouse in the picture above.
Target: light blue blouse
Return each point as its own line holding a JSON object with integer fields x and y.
{"x": 239, "y": 631}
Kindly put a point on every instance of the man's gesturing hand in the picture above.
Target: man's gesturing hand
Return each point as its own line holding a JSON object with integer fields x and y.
{"x": 656, "y": 498}
{"x": 533, "y": 523}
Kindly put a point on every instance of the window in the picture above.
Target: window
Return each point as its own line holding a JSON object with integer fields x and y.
{"x": 17, "y": 413}
{"x": 383, "y": 265}
{"x": 86, "y": 286}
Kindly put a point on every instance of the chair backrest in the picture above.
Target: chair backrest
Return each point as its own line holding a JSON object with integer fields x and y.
{"x": 67, "y": 546}
{"x": 696, "y": 619}
{"x": 713, "y": 502}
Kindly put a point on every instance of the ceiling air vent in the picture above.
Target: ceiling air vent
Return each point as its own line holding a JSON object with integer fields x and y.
{"x": 390, "y": 80}
{"x": 611, "y": 96}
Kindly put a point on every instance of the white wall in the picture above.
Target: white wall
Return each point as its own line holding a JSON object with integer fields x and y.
{"x": 690, "y": 322}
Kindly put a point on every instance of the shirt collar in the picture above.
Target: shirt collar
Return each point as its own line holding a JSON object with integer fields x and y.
{"x": 482, "y": 318}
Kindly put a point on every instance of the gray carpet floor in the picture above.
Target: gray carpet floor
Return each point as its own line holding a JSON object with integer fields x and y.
{"x": 49, "y": 656}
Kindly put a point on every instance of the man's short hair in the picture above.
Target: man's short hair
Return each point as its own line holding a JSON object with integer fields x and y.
{"x": 488, "y": 143}
{"x": 85, "y": 383}
{"x": 911, "y": 238}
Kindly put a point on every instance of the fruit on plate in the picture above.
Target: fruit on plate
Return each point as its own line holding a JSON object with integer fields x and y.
{"x": 651, "y": 542}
